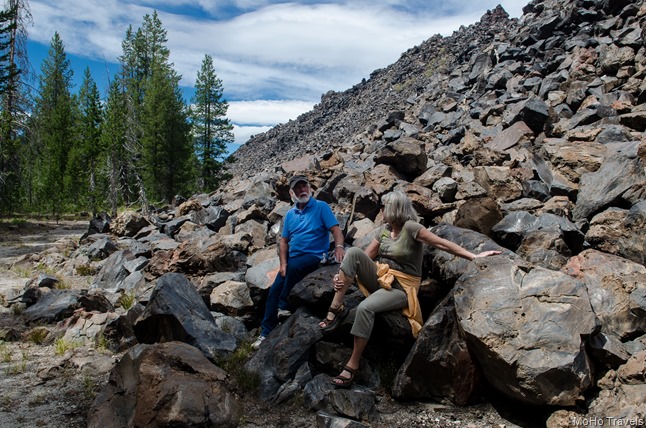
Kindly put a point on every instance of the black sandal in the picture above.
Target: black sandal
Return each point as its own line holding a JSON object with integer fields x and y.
{"x": 339, "y": 315}
{"x": 345, "y": 382}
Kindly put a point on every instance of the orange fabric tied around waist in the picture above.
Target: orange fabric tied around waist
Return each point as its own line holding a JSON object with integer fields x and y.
{"x": 410, "y": 283}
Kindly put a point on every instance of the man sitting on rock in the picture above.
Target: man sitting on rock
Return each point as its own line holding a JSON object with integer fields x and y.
{"x": 304, "y": 244}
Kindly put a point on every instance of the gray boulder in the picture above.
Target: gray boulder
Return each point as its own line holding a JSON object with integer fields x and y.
{"x": 439, "y": 366}
{"x": 528, "y": 328}
{"x": 176, "y": 312}
{"x": 620, "y": 180}
{"x": 169, "y": 384}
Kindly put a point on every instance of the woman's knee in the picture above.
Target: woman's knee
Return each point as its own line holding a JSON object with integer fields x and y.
{"x": 364, "y": 308}
{"x": 353, "y": 252}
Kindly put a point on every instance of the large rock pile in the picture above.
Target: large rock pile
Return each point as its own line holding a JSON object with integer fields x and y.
{"x": 520, "y": 135}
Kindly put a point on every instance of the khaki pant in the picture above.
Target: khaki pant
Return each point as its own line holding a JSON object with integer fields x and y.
{"x": 356, "y": 264}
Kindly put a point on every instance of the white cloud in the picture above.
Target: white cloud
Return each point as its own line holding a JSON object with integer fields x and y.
{"x": 264, "y": 112}
{"x": 243, "y": 133}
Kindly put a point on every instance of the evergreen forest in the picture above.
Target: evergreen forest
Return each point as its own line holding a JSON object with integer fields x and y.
{"x": 66, "y": 150}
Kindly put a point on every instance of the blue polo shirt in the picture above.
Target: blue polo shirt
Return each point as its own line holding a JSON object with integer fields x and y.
{"x": 308, "y": 230}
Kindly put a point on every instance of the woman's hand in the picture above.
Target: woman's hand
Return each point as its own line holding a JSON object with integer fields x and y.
{"x": 487, "y": 253}
{"x": 337, "y": 282}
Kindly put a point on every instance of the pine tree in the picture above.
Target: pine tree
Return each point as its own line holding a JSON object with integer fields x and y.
{"x": 54, "y": 116}
{"x": 212, "y": 131}
{"x": 167, "y": 151}
{"x": 157, "y": 130}
{"x": 113, "y": 138}
{"x": 83, "y": 163}
{"x": 13, "y": 100}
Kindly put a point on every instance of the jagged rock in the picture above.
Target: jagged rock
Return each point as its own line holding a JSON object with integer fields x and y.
{"x": 128, "y": 224}
{"x": 210, "y": 282}
{"x": 120, "y": 331}
{"x": 622, "y": 392}
{"x": 545, "y": 248}
{"x": 618, "y": 231}
{"x": 120, "y": 273}
{"x": 283, "y": 352}
{"x": 167, "y": 384}
{"x": 48, "y": 281}
{"x": 257, "y": 230}
{"x": 620, "y": 180}
{"x": 478, "y": 214}
{"x": 99, "y": 224}
{"x": 173, "y": 226}
{"x": 439, "y": 366}
{"x": 448, "y": 268}
{"x": 405, "y": 155}
{"x": 204, "y": 255}
{"x": 496, "y": 296}
{"x": 289, "y": 389}
{"x": 84, "y": 327}
{"x": 617, "y": 289}
{"x": 177, "y": 312}
{"x": 515, "y": 227}
{"x": 608, "y": 351}
{"x": 356, "y": 403}
{"x": 53, "y": 306}
{"x": 516, "y": 134}
{"x": 232, "y": 297}
{"x": 101, "y": 249}
{"x": 325, "y": 420}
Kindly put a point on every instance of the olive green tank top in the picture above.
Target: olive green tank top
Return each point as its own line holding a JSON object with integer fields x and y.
{"x": 403, "y": 253}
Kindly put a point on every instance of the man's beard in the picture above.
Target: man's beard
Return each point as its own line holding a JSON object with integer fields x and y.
{"x": 303, "y": 199}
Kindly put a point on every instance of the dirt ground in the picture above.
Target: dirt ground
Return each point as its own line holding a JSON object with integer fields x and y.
{"x": 39, "y": 387}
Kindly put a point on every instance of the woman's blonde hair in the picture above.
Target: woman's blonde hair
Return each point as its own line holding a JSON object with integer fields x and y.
{"x": 398, "y": 208}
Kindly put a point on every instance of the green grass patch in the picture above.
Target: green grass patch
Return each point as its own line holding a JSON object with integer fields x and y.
{"x": 38, "y": 335}
{"x": 85, "y": 270}
{"x": 127, "y": 300}
{"x": 62, "y": 345}
{"x": 234, "y": 364}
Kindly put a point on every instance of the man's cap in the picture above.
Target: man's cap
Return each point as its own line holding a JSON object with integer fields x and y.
{"x": 295, "y": 179}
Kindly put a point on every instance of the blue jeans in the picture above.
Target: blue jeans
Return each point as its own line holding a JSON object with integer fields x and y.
{"x": 297, "y": 268}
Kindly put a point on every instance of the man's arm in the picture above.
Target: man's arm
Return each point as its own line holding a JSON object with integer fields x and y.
{"x": 282, "y": 255}
{"x": 339, "y": 249}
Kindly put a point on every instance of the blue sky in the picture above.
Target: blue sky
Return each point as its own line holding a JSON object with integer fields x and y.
{"x": 275, "y": 58}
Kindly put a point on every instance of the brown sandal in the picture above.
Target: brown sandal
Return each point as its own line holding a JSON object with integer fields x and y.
{"x": 344, "y": 382}
{"x": 330, "y": 324}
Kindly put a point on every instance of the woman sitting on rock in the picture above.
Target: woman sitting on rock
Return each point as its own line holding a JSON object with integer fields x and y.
{"x": 392, "y": 282}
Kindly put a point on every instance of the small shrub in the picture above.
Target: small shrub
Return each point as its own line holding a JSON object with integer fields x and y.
{"x": 85, "y": 270}
{"x": 23, "y": 272}
{"x": 62, "y": 345}
{"x": 18, "y": 308}
{"x": 234, "y": 365}
{"x": 89, "y": 387}
{"x": 127, "y": 300}
{"x": 5, "y": 353}
{"x": 43, "y": 268}
{"x": 101, "y": 343}
{"x": 38, "y": 335}
{"x": 62, "y": 285}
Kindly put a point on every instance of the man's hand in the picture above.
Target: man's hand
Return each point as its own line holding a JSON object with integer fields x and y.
{"x": 339, "y": 252}
{"x": 283, "y": 269}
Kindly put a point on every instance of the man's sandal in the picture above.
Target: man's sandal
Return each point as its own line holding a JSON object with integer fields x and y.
{"x": 342, "y": 381}
{"x": 330, "y": 324}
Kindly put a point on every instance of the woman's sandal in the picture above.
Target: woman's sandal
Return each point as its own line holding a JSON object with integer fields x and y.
{"x": 339, "y": 315}
{"x": 342, "y": 381}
